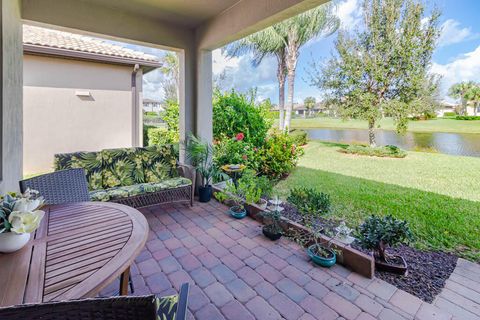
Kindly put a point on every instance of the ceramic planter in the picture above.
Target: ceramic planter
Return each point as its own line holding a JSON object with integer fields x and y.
{"x": 237, "y": 213}
{"x": 11, "y": 241}
{"x": 271, "y": 235}
{"x": 205, "y": 193}
{"x": 322, "y": 261}
{"x": 262, "y": 204}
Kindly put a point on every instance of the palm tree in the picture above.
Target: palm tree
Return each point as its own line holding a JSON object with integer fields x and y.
{"x": 461, "y": 91}
{"x": 171, "y": 82}
{"x": 267, "y": 42}
{"x": 319, "y": 22}
{"x": 309, "y": 103}
{"x": 473, "y": 95}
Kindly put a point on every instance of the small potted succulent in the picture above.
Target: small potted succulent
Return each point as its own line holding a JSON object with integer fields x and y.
{"x": 379, "y": 233}
{"x": 272, "y": 228}
{"x": 201, "y": 155}
{"x": 320, "y": 251}
{"x": 19, "y": 217}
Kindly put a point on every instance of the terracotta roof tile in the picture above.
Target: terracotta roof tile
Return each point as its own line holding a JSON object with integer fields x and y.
{"x": 65, "y": 40}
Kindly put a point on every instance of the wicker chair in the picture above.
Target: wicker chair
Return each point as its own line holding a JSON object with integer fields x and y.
{"x": 117, "y": 308}
{"x": 65, "y": 186}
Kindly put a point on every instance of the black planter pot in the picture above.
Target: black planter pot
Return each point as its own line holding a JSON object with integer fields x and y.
{"x": 400, "y": 267}
{"x": 271, "y": 235}
{"x": 204, "y": 193}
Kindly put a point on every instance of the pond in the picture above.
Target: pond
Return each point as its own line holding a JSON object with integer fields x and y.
{"x": 460, "y": 144}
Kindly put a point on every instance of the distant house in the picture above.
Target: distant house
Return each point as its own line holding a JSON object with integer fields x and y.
{"x": 300, "y": 109}
{"x": 446, "y": 106}
{"x": 152, "y": 105}
{"x": 79, "y": 94}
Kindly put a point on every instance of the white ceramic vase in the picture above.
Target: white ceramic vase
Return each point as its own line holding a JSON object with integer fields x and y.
{"x": 11, "y": 241}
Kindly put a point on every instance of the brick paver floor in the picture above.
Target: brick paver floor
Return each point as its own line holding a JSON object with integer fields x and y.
{"x": 236, "y": 273}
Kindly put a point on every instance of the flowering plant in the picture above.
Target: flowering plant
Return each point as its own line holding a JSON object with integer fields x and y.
{"x": 21, "y": 214}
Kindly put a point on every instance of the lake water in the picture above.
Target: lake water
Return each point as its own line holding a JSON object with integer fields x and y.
{"x": 461, "y": 144}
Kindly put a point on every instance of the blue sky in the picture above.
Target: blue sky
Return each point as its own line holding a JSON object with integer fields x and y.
{"x": 457, "y": 57}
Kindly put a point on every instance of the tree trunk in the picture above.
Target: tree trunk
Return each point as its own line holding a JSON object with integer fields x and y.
{"x": 291, "y": 68}
{"x": 281, "y": 90}
{"x": 475, "y": 107}
{"x": 371, "y": 133}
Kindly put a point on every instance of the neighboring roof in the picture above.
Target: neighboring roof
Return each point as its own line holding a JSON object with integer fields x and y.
{"x": 53, "y": 42}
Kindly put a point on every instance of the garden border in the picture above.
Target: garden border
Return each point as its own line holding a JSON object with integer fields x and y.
{"x": 351, "y": 258}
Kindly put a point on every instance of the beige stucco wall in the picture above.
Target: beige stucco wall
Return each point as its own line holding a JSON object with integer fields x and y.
{"x": 56, "y": 120}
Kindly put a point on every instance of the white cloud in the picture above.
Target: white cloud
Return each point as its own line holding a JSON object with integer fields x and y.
{"x": 453, "y": 33}
{"x": 241, "y": 75}
{"x": 464, "y": 68}
{"x": 350, "y": 13}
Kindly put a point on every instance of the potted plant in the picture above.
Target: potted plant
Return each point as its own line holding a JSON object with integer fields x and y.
{"x": 320, "y": 251}
{"x": 272, "y": 228}
{"x": 255, "y": 188}
{"x": 344, "y": 233}
{"x": 201, "y": 155}
{"x": 19, "y": 217}
{"x": 379, "y": 233}
{"x": 234, "y": 197}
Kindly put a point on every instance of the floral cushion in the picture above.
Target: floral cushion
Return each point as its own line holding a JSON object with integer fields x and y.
{"x": 159, "y": 162}
{"x": 99, "y": 195}
{"x": 122, "y": 167}
{"x": 91, "y": 162}
{"x": 167, "y": 307}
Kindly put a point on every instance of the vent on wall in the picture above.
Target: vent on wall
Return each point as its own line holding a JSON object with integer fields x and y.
{"x": 80, "y": 93}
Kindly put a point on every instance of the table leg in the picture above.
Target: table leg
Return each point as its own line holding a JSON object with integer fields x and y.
{"x": 124, "y": 282}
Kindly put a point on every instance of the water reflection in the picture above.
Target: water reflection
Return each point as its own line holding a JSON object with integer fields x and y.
{"x": 463, "y": 144}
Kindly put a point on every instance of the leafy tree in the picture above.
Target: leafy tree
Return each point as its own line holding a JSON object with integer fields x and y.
{"x": 309, "y": 103}
{"x": 462, "y": 91}
{"x": 171, "y": 79}
{"x": 383, "y": 66}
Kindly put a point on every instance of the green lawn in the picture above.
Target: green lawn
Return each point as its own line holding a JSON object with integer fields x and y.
{"x": 435, "y": 125}
{"x": 438, "y": 194}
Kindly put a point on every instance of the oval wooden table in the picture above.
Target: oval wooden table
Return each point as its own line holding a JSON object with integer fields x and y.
{"x": 77, "y": 251}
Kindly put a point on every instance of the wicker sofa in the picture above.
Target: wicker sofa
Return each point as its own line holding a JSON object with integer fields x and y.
{"x": 137, "y": 177}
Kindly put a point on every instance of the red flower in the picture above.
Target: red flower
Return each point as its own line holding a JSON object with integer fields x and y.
{"x": 244, "y": 157}
{"x": 255, "y": 149}
{"x": 240, "y": 136}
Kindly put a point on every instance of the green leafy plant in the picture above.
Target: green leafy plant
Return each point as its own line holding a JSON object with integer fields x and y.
{"x": 171, "y": 117}
{"x": 254, "y": 187}
{"x": 379, "y": 233}
{"x": 309, "y": 202}
{"x": 234, "y": 195}
{"x": 159, "y": 135}
{"x": 298, "y": 137}
{"x": 467, "y": 118}
{"x": 200, "y": 153}
{"x": 449, "y": 114}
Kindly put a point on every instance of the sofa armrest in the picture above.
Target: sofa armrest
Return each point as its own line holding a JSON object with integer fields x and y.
{"x": 189, "y": 172}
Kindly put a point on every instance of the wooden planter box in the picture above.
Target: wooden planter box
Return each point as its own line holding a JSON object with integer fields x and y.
{"x": 349, "y": 257}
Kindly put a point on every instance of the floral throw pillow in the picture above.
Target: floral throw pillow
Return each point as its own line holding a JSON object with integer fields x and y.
{"x": 159, "y": 162}
{"x": 91, "y": 162}
{"x": 122, "y": 167}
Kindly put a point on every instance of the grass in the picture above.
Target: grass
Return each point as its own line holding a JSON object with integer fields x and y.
{"x": 437, "y": 194}
{"x": 435, "y": 125}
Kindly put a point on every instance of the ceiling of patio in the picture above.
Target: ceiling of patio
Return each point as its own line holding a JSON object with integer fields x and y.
{"x": 182, "y": 12}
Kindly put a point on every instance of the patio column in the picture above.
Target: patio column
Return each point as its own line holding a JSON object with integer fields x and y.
{"x": 11, "y": 111}
{"x": 195, "y": 95}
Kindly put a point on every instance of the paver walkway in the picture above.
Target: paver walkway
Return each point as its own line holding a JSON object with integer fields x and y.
{"x": 236, "y": 273}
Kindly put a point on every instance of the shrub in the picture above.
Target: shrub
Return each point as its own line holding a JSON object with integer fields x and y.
{"x": 278, "y": 156}
{"x": 377, "y": 233}
{"x": 234, "y": 112}
{"x": 299, "y": 137}
{"x": 386, "y": 151}
{"x": 467, "y": 118}
{"x": 159, "y": 135}
{"x": 151, "y": 113}
{"x": 308, "y": 201}
{"x": 146, "y": 128}
{"x": 254, "y": 187}
{"x": 449, "y": 114}
{"x": 234, "y": 151}
{"x": 171, "y": 117}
